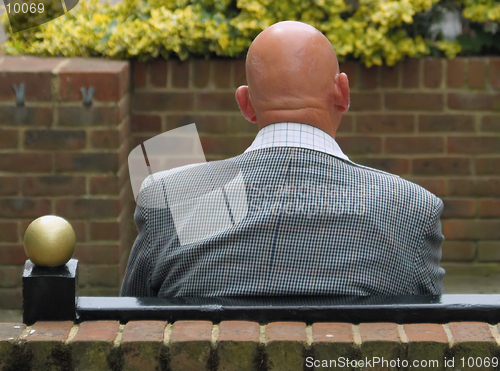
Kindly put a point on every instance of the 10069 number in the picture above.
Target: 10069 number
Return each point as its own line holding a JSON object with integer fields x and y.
{"x": 25, "y": 8}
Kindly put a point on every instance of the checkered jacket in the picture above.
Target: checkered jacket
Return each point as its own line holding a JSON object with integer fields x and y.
{"x": 315, "y": 224}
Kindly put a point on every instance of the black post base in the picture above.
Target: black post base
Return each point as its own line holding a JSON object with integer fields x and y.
{"x": 49, "y": 294}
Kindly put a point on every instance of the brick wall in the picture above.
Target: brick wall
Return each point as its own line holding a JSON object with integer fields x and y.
{"x": 433, "y": 121}
{"x": 58, "y": 156}
{"x": 242, "y": 346}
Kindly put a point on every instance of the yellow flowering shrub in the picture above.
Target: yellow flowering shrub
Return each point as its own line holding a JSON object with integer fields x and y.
{"x": 375, "y": 32}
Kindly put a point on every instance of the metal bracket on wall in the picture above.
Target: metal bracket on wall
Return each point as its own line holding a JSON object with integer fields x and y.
{"x": 19, "y": 94}
{"x": 87, "y": 96}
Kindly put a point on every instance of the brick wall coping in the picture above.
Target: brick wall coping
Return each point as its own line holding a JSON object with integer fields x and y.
{"x": 242, "y": 345}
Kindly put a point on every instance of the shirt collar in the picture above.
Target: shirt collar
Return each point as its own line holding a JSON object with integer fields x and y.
{"x": 292, "y": 134}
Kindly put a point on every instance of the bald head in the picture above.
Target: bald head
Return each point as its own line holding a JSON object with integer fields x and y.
{"x": 292, "y": 74}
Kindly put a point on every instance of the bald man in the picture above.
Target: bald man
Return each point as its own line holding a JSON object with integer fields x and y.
{"x": 313, "y": 222}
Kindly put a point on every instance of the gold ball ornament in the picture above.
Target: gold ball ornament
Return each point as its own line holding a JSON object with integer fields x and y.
{"x": 49, "y": 241}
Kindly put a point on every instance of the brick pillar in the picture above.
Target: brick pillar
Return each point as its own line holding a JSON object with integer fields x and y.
{"x": 59, "y": 156}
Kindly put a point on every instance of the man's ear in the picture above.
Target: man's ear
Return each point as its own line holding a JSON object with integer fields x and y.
{"x": 341, "y": 92}
{"x": 246, "y": 108}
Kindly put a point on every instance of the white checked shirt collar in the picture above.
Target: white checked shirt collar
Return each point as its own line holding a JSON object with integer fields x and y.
{"x": 292, "y": 134}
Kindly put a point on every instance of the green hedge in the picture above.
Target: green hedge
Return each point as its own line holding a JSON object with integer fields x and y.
{"x": 375, "y": 32}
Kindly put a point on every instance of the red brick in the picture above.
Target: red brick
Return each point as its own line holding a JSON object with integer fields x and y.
{"x": 359, "y": 144}
{"x": 414, "y": 101}
{"x": 190, "y": 344}
{"x": 414, "y": 144}
{"x": 477, "y": 72}
{"x": 142, "y": 344}
{"x": 96, "y": 331}
{"x": 488, "y": 251}
{"x": 216, "y": 101}
{"x": 222, "y": 73}
{"x": 108, "y": 78}
{"x": 471, "y": 332}
{"x": 436, "y": 186}
{"x": 368, "y": 77}
{"x": 285, "y": 345}
{"x": 332, "y": 341}
{"x": 488, "y": 208}
{"x": 201, "y": 73}
{"x": 441, "y": 166}
{"x": 179, "y": 74}
{"x": 391, "y": 165}
{"x": 474, "y": 187}
{"x": 37, "y": 85}
{"x": 455, "y": 73}
{"x": 139, "y": 74}
{"x": 446, "y": 122}
{"x": 87, "y": 207}
{"x": 104, "y": 231}
{"x": 103, "y": 276}
{"x": 204, "y": 123}
{"x": 11, "y": 298}
{"x": 458, "y": 250}
{"x": 53, "y": 185}
{"x": 379, "y": 123}
{"x": 238, "y": 331}
{"x": 82, "y": 116}
{"x": 345, "y": 126}
{"x": 158, "y": 71}
{"x": 96, "y": 254}
{"x": 99, "y": 162}
{"x": 433, "y": 72}
{"x": 12, "y": 254}
{"x": 286, "y": 331}
{"x": 9, "y": 231}
{"x": 49, "y": 332}
{"x": 104, "y": 138}
{"x": 25, "y": 162}
{"x": 146, "y": 123}
{"x": 24, "y": 207}
{"x": 490, "y": 123}
{"x": 474, "y": 144}
{"x": 8, "y": 139}
{"x": 427, "y": 340}
{"x": 471, "y": 229}
{"x": 495, "y": 72}
{"x": 9, "y": 331}
{"x": 105, "y": 184}
{"x": 459, "y": 208}
{"x": 389, "y": 76}
{"x": 379, "y": 332}
{"x": 31, "y": 64}
{"x": 237, "y": 345}
{"x": 411, "y": 73}
{"x": 163, "y": 101}
{"x": 428, "y": 332}
{"x": 473, "y": 101}
{"x": 91, "y": 347}
{"x": 10, "y": 276}
{"x": 488, "y": 166}
{"x": 366, "y": 102}
{"x": 26, "y": 116}
{"x": 53, "y": 140}
{"x": 330, "y": 332}
{"x": 239, "y": 77}
{"x": 380, "y": 338}
{"x": 225, "y": 145}
{"x": 349, "y": 68}
{"x": 9, "y": 185}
